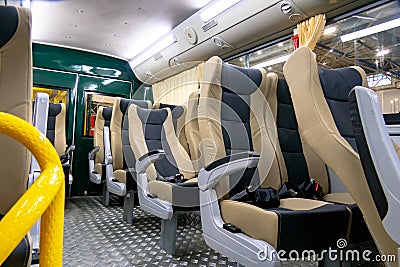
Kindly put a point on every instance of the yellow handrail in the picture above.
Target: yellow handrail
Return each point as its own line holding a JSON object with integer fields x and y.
{"x": 45, "y": 198}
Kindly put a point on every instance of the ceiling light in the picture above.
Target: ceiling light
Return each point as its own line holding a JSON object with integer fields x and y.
{"x": 280, "y": 44}
{"x": 371, "y": 30}
{"x": 214, "y": 9}
{"x": 331, "y": 50}
{"x": 273, "y": 61}
{"x": 363, "y": 17}
{"x": 152, "y": 50}
{"x": 382, "y": 52}
{"x": 330, "y": 30}
{"x": 259, "y": 52}
{"x": 26, "y": 3}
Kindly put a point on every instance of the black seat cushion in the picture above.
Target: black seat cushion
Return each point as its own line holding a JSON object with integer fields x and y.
{"x": 21, "y": 254}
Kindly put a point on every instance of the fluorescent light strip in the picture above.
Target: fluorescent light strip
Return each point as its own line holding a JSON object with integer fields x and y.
{"x": 273, "y": 61}
{"x": 26, "y": 3}
{"x": 371, "y": 30}
{"x": 217, "y": 8}
{"x": 152, "y": 50}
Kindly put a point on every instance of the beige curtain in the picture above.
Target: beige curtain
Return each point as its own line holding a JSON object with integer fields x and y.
{"x": 176, "y": 90}
{"x": 310, "y": 30}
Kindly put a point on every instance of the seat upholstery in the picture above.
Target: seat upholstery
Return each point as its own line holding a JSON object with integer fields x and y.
{"x": 120, "y": 140}
{"x": 321, "y": 106}
{"x": 16, "y": 99}
{"x": 299, "y": 163}
{"x": 234, "y": 116}
{"x": 103, "y": 119}
{"x": 152, "y": 130}
{"x": 56, "y": 132}
{"x": 193, "y": 132}
{"x": 179, "y": 119}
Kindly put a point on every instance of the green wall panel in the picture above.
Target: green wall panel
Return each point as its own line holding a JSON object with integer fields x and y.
{"x": 82, "y": 62}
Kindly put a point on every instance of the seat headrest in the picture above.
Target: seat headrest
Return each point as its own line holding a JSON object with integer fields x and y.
{"x": 152, "y": 116}
{"x": 54, "y": 109}
{"x": 9, "y": 23}
{"x": 124, "y": 104}
{"x": 107, "y": 113}
{"x": 240, "y": 80}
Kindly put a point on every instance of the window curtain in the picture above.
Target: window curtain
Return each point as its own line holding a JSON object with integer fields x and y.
{"x": 310, "y": 30}
{"x": 176, "y": 89}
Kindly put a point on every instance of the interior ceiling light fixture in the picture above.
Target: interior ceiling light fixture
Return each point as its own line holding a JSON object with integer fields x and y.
{"x": 330, "y": 30}
{"x": 213, "y": 10}
{"x": 273, "y": 61}
{"x": 26, "y": 3}
{"x": 152, "y": 50}
{"x": 371, "y": 30}
{"x": 382, "y": 52}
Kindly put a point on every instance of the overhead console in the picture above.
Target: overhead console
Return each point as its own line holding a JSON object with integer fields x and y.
{"x": 244, "y": 25}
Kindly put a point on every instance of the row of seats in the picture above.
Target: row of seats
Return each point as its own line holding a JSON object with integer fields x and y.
{"x": 250, "y": 134}
{"x": 108, "y": 161}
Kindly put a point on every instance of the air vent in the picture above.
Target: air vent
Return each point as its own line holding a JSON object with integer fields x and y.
{"x": 212, "y": 23}
{"x": 286, "y": 8}
{"x": 157, "y": 56}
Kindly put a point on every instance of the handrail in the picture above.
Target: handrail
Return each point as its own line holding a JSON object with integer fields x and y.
{"x": 45, "y": 198}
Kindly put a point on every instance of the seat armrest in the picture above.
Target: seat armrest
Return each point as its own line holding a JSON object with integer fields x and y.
{"x": 64, "y": 158}
{"x": 93, "y": 152}
{"x": 210, "y": 175}
{"x": 145, "y": 160}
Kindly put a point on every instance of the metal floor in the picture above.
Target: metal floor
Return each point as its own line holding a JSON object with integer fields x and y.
{"x": 97, "y": 236}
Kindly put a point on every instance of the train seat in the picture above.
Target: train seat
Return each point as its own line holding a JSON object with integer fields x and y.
{"x": 238, "y": 142}
{"x": 117, "y": 153}
{"x": 56, "y": 133}
{"x": 178, "y": 113}
{"x": 97, "y": 166}
{"x": 165, "y": 187}
{"x": 320, "y": 100}
{"x": 16, "y": 99}
{"x": 297, "y": 161}
{"x": 379, "y": 157}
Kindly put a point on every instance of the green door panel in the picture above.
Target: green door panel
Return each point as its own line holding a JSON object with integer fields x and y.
{"x": 82, "y": 184}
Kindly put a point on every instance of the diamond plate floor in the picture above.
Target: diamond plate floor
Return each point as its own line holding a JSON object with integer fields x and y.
{"x": 96, "y": 236}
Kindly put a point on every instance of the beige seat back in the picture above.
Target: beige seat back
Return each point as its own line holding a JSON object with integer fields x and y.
{"x": 320, "y": 99}
{"x": 119, "y": 111}
{"x": 179, "y": 119}
{"x": 234, "y": 117}
{"x": 297, "y": 162}
{"x": 103, "y": 119}
{"x": 15, "y": 98}
{"x": 193, "y": 132}
{"x": 56, "y": 131}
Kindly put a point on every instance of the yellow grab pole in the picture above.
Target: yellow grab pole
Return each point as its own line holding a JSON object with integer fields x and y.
{"x": 45, "y": 198}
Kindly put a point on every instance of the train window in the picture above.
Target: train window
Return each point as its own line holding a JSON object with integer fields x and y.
{"x": 369, "y": 39}
{"x": 93, "y": 101}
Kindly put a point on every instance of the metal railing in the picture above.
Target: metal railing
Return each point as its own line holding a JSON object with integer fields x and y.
{"x": 44, "y": 199}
